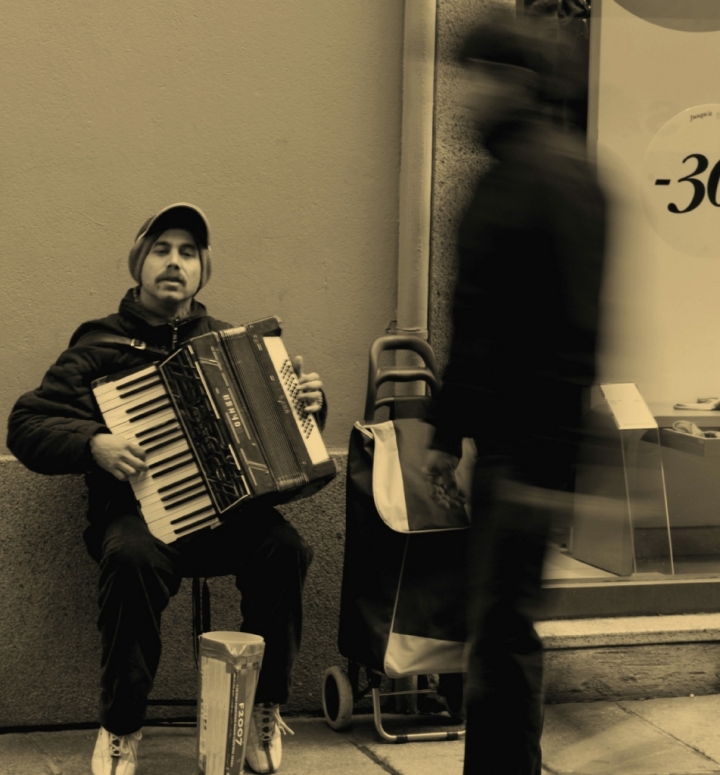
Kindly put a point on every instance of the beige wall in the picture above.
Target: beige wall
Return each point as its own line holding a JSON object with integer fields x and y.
{"x": 280, "y": 118}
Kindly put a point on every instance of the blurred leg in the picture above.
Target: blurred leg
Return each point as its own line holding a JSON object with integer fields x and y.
{"x": 504, "y": 694}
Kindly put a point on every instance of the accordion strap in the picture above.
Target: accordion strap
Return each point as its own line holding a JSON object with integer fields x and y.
{"x": 102, "y": 337}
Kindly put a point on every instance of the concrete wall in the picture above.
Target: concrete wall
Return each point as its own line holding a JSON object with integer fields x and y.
{"x": 458, "y": 161}
{"x": 50, "y": 647}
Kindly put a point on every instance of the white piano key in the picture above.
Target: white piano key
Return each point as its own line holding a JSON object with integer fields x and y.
{"x": 121, "y": 414}
{"x": 155, "y": 456}
{"x": 131, "y": 430}
{"x": 197, "y": 526}
{"x": 158, "y": 459}
{"x": 149, "y": 504}
{"x": 150, "y": 481}
{"x": 154, "y": 430}
{"x": 181, "y": 490}
{"x": 179, "y": 524}
{"x": 158, "y": 512}
{"x": 129, "y": 386}
{"x": 170, "y": 461}
{"x": 170, "y": 533}
{"x": 186, "y": 511}
{"x": 118, "y": 384}
{"x": 111, "y": 401}
{"x": 155, "y": 443}
{"x": 146, "y": 494}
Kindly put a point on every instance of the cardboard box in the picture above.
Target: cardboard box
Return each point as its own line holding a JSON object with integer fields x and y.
{"x": 229, "y": 669}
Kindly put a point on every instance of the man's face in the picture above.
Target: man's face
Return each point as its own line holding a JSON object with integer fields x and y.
{"x": 172, "y": 269}
{"x": 489, "y": 94}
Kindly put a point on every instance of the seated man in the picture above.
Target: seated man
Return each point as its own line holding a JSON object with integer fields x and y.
{"x": 58, "y": 429}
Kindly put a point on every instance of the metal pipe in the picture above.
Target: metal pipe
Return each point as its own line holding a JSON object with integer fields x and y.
{"x": 416, "y": 167}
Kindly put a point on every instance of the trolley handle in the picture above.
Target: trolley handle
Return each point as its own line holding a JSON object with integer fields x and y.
{"x": 377, "y": 376}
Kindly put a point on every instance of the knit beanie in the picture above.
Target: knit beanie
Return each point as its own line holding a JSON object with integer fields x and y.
{"x": 176, "y": 216}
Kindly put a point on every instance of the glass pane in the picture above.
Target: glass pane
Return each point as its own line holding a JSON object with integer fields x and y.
{"x": 692, "y": 475}
{"x": 621, "y": 523}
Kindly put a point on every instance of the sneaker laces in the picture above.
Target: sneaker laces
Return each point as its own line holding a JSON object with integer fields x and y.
{"x": 266, "y": 718}
{"x": 120, "y": 742}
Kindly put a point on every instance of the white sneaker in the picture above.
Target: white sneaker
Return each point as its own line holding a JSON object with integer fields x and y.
{"x": 264, "y": 745}
{"x": 115, "y": 754}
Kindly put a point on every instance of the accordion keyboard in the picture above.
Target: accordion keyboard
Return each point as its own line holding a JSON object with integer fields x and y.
{"x": 172, "y": 494}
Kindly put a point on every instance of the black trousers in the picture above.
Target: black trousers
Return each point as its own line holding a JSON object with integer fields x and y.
{"x": 505, "y": 671}
{"x": 139, "y": 574}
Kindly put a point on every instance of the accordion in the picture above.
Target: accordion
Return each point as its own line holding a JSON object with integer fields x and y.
{"x": 221, "y": 424}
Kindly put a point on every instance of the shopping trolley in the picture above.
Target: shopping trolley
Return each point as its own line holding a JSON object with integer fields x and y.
{"x": 402, "y": 610}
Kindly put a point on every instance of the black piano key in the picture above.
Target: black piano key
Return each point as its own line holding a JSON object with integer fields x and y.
{"x": 126, "y": 393}
{"x": 156, "y": 428}
{"x": 158, "y": 435}
{"x": 167, "y": 459}
{"x": 130, "y": 428}
{"x": 194, "y": 496}
{"x": 192, "y": 514}
{"x": 190, "y": 488}
{"x": 122, "y": 384}
{"x": 167, "y": 442}
{"x": 172, "y": 468}
{"x": 189, "y": 528}
{"x": 172, "y": 486}
{"x": 149, "y": 402}
{"x": 149, "y": 412}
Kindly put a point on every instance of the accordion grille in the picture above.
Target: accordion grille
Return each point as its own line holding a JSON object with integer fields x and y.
{"x": 263, "y": 405}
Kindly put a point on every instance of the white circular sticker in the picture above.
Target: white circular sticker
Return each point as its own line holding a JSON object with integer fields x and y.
{"x": 681, "y": 181}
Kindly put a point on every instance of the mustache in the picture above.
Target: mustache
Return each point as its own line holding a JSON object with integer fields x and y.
{"x": 170, "y": 276}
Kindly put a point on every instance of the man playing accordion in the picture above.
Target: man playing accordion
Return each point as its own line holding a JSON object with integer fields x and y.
{"x": 58, "y": 429}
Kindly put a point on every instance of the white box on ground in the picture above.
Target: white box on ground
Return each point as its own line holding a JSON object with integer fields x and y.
{"x": 229, "y": 668}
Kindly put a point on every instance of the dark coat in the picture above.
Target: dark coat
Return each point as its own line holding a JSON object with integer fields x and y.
{"x": 531, "y": 249}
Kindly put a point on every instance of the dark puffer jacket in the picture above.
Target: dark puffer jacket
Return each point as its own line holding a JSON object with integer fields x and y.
{"x": 50, "y": 428}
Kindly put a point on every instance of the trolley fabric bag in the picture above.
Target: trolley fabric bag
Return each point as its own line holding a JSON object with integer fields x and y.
{"x": 403, "y": 593}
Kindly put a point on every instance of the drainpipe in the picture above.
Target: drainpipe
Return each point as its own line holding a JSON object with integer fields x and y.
{"x": 416, "y": 168}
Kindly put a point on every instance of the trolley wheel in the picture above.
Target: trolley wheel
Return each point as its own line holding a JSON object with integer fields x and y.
{"x": 337, "y": 698}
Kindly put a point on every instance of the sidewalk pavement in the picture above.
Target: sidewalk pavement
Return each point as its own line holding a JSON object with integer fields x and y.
{"x": 677, "y": 736}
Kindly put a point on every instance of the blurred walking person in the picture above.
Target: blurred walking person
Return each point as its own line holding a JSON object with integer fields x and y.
{"x": 531, "y": 250}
